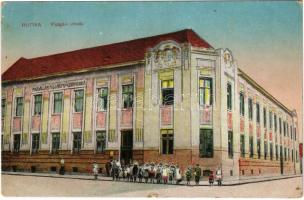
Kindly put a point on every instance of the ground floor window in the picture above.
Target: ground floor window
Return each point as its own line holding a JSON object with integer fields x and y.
{"x": 100, "y": 141}
{"x": 271, "y": 151}
{"x": 76, "y": 142}
{"x": 292, "y": 155}
{"x": 16, "y": 143}
{"x": 230, "y": 144}
{"x": 277, "y": 152}
{"x": 251, "y": 146}
{"x": 285, "y": 154}
{"x": 206, "y": 143}
{"x": 259, "y": 148}
{"x": 288, "y": 153}
{"x": 55, "y": 142}
{"x": 35, "y": 142}
{"x": 167, "y": 139}
{"x": 265, "y": 149}
{"x": 242, "y": 145}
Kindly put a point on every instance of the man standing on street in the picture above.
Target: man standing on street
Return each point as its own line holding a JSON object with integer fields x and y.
{"x": 197, "y": 174}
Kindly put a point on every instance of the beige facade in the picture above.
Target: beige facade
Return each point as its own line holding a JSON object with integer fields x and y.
{"x": 198, "y": 126}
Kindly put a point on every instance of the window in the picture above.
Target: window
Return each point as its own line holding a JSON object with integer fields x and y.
{"x": 295, "y": 134}
{"x": 229, "y": 97}
{"x": 270, "y": 120}
{"x": 265, "y": 117}
{"x": 287, "y": 130}
{"x": 167, "y": 141}
{"x": 258, "y": 113}
{"x": 102, "y": 101}
{"x": 277, "y": 152}
{"x": 288, "y": 153}
{"x": 57, "y": 102}
{"x": 251, "y": 146}
{"x": 290, "y": 132}
{"x": 292, "y": 155}
{"x": 16, "y": 143}
{"x": 271, "y": 151}
{"x": 275, "y": 123}
{"x": 284, "y": 128}
{"x": 259, "y": 148}
{"x": 78, "y": 107}
{"x": 100, "y": 141}
{"x": 35, "y": 142}
{"x": 265, "y": 149}
{"x": 3, "y": 106}
{"x": 206, "y": 143}
{"x": 55, "y": 142}
{"x": 37, "y": 104}
{"x": 280, "y": 125}
{"x": 250, "y": 113}
{"x": 285, "y": 154}
{"x": 19, "y": 106}
{"x": 296, "y": 156}
{"x": 76, "y": 142}
{"x": 242, "y": 107}
{"x": 242, "y": 146}
{"x": 127, "y": 96}
{"x": 230, "y": 144}
{"x": 205, "y": 91}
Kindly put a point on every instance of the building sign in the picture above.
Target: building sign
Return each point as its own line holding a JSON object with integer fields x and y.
{"x": 301, "y": 150}
{"x": 61, "y": 85}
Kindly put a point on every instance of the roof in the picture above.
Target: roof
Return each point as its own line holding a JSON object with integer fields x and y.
{"x": 100, "y": 56}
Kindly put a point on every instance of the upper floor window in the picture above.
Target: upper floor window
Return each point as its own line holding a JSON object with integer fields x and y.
{"x": 229, "y": 97}
{"x": 57, "y": 102}
{"x": 287, "y": 130}
{"x": 3, "y": 106}
{"x": 205, "y": 91}
{"x": 290, "y": 131}
{"x": 37, "y": 104}
{"x": 295, "y": 133}
{"x": 78, "y": 107}
{"x": 19, "y": 106}
{"x": 250, "y": 113}
{"x": 242, "y": 107}
{"x": 102, "y": 101}
{"x": 284, "y": 128}
{"x": 270, "y": 119}
{"x": 280, "y": 125}
{"x": 127, "y": 96}
{"x": 275, "y": 123}
{"x": 258, "y": 113}
{"x": 265, "y": 117}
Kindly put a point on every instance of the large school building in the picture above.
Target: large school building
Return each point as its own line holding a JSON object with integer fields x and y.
{"x": 170, "y": 98}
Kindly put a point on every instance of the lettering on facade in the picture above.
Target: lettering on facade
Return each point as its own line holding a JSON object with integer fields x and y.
{"x": 53, "y": 86}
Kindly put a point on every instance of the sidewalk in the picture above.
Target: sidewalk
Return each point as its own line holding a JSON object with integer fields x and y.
{"x": 245, "y": 180}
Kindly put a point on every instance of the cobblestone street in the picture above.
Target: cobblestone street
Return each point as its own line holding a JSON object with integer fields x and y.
{"x": 16, "y": 185}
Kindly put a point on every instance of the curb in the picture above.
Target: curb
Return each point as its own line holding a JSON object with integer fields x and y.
{"x": 181, "y": 184}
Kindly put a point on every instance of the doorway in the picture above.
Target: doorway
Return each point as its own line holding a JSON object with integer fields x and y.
{"x": 126, "y": 146}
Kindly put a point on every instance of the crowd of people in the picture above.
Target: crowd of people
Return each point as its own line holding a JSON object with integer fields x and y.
{"x": 154, "y": 173}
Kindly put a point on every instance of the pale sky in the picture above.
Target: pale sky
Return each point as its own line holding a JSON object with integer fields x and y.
{"x": 265, "y": 37}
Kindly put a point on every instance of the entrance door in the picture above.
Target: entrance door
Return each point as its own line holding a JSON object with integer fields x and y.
{"x": 281, "y": 160}
{"x": 126, "y": 147}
